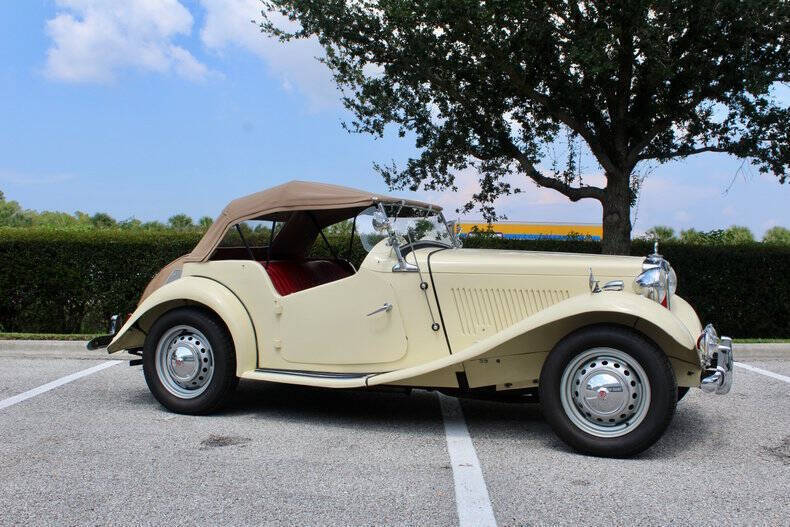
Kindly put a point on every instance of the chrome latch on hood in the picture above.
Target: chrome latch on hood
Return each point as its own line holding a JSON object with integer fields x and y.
{"x": 612, "y": 285}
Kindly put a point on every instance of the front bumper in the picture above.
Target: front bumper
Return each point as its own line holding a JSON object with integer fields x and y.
{"x": 716, "y": 360}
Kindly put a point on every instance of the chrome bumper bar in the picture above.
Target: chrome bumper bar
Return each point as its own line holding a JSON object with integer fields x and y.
{"x": 716, "y": 360}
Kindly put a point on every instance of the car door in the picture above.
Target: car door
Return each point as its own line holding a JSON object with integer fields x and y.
{"x": 355, "y": 320}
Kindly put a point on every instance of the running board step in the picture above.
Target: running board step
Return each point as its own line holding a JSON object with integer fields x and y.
{"x": 320, "y": 374}
{"x": 309, "y": 378}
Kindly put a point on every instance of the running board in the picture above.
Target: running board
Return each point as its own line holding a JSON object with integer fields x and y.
{"x": 374, "y": 379}
{"x": 320, "y": 374}
{"x": 309, "y": 378}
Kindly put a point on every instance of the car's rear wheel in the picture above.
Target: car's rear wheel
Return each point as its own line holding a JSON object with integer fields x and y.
{"x": 189, "y": 361}
{"x": 608, "y": 391}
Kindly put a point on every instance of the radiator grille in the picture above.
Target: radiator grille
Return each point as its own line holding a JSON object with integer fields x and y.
{"x": 482, "y": 310}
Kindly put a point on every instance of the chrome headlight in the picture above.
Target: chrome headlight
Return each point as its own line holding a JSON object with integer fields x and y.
{"x": 658, "y": 281}
{"x": 708, "y": 343}
{"x": 672, "y": 280}
{"x": 653, "y": 284}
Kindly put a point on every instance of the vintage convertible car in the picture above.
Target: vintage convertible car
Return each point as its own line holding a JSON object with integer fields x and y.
{"x": 603, "y": 341}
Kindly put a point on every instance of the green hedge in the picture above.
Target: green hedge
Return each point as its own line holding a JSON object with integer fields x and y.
{"x": 744, "y": 290}
{"x": 55, "y": 281}
{"x": 71, "y": 281}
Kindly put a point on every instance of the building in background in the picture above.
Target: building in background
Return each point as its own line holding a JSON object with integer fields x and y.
{"x": 524, "y": 230}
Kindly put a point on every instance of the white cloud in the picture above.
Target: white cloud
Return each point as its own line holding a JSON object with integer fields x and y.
{"x": 93, "y": 39}
{"x": 228, "y": 24}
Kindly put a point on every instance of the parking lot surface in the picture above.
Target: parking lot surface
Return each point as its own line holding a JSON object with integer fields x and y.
{"x": 100, "y": 450}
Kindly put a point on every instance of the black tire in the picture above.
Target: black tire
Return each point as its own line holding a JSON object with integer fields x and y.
{"x": 223, "y": 380}
{"x": 682, "y": 391}
{"x": 656, "y": 366}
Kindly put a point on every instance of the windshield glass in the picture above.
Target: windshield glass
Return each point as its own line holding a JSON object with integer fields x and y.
{"x": 410, "y": 225}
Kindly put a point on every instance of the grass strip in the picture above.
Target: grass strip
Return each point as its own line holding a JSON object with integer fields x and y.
{"x": 45, "y": 336}
{"x": 761, "y": 341}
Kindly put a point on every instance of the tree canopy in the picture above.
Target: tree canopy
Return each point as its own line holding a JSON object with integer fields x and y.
{"x": 490, "y": 84}
{"x": 13, "y": 215}
{"x": 661, "y": 233}
{"x": 733, "y": 235}
{"x": 777, "y": 235}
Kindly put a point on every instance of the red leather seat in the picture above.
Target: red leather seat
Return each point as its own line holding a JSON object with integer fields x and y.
{"x": 291, "y": 276}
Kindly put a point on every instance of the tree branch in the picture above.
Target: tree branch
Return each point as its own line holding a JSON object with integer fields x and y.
{"x": 634, "y": 155}
{"x": 572, "y": 193}
{"x": 683, "y": 153}
{"x": 567, "y": 119}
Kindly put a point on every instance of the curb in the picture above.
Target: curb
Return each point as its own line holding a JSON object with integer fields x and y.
{"x": 739, "y": 350}
{"x": 43, "y": 345}
{"x": 761, "y": 351}
{"x": 62, "y": 349}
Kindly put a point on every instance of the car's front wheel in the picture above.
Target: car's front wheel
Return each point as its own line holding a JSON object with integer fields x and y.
{"x": 189, "y": 361}
{"x": 608, "y": 391}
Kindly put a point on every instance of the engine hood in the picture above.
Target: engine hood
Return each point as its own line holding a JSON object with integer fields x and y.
{"x": 505, "y": 262}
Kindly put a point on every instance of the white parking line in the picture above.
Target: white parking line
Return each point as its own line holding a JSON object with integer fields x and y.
{"x": 5, "y": 403}
{"x": 761, "y": 371}
{"x": 471, "y": 494}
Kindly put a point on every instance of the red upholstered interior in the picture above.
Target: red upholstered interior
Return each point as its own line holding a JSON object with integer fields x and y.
{"x": 291, "y": 276}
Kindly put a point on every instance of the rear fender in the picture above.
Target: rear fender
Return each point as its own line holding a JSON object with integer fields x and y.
{"x": 193, "y": 291}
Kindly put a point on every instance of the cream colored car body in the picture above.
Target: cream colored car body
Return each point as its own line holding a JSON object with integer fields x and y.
{"x": 500, "y": 313}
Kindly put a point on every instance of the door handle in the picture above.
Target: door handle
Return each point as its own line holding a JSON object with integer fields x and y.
{"x": 387, "y": 307}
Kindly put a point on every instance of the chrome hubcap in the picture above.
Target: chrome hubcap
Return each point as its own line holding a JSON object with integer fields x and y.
{"x": 605, "y": 392}
{"x": 184, "y": 361}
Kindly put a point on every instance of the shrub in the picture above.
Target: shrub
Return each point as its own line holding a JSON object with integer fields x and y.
{"x": 59, "y": 281}
{"x": 742, "y": 289}
{"x": 733, "y": 235}
{"x": 661, "y": 233}
{"x": 71, "y": 281}
{"x": 777, "y": 235}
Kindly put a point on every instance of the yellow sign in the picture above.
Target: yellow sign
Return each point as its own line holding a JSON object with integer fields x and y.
{"x": 522, "y": 230}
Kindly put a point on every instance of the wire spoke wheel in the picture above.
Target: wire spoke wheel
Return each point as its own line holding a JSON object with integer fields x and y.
{"x": 605, "y": 392}
{"x": 184, "y": 361}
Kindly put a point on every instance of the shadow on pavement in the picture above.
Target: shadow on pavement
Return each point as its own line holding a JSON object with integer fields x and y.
{"x": 419, "y": 413}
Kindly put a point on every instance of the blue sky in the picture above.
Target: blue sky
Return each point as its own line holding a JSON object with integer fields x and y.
{"x": 147, "y": 108}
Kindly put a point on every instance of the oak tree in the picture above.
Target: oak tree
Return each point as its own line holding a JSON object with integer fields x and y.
{"x": 490, "y": 83}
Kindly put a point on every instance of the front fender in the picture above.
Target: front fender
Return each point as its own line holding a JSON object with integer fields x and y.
{"x": 548, "y": 326}
{"x": 619, "y": 307}
{"x": 193, "y": 290}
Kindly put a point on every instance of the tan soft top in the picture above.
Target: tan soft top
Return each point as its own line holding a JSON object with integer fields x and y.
{"x": 323, "y": 204}
{"x": 288, "y": 197}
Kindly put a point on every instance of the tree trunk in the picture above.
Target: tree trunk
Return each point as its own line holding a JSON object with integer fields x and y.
{"x": 617, "y": 215}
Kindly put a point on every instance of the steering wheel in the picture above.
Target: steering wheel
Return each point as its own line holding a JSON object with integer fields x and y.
{"x": 422, "y": 244}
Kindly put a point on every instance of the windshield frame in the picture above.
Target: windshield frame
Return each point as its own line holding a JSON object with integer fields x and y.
{"x": 433, "y": 213}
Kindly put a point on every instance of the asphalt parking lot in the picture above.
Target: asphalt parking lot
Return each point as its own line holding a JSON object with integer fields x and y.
{"x": 100, "y": 450}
